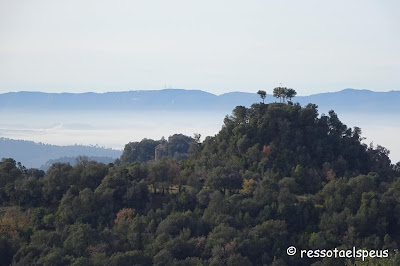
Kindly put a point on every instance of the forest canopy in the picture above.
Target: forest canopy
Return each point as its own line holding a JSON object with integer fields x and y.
{"x": 276, "y": 175}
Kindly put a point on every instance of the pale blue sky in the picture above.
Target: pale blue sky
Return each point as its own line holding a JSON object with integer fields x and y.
{"x": 216, "y": 46}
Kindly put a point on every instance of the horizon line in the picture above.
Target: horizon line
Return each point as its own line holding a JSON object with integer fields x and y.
{"x": 179, "y": 89}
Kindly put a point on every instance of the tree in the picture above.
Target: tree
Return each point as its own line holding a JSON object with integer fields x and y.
{"x": 197, "y": 137}
{"x": 284, "y": 93}
{"x": 279, "y": 92}
{"x": 56, "y": 182}
{"x": 223, "y": 178}
{"x": 195, "y": 145}
{"x": 178, "y": 146}
{"x": 142, "y": 151}
{"x": 79, "y": 237}
{"x": 240, "y": 115}
{"x": 262, "y": 94}
{"x": 158, "y": 175}
{"x": 290, "y": 93}
{"x": 9, "y": 173}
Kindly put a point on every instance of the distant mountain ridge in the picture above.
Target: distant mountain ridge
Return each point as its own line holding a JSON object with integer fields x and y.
{"x": 170, "y": 99}
{"x": 192, "y": 100}
{"x": 356, "y": 100}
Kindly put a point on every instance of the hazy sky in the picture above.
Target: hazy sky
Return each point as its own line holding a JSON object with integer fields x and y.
{"x": 216, "y": 46}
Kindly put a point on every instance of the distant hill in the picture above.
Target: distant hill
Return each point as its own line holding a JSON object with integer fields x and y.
{"x": 194, "y": 100}
{"x": 351, "y": 100}
{"x": 169, "y": 99}
{"x": 32, "y": 154}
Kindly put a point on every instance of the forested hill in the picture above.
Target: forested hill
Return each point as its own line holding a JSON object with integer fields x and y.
{"x": 32, "y": 154}
{"x": 276, "y": 175}
{"x": 286, "y": 140}
{"x": 193, "y": 100}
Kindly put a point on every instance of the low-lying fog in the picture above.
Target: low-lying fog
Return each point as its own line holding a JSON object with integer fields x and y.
{"x": 381, "y": 129}
{"x": 109, "y": 129}
{"x": 115, "y": 129}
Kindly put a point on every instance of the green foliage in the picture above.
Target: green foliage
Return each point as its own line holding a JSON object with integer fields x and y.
{"x": 177, "y": 147}
{"x": 276, "y": 175}
{"x": 80, "y": 237}
{"x": 223, "y": 178}
{"x": 139, "y": 151}
{"x": 284, "y": 93}
{"x": 262, "y": 94}
{"x": 56, "y": 182}
{"x": 129, "y": 258}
